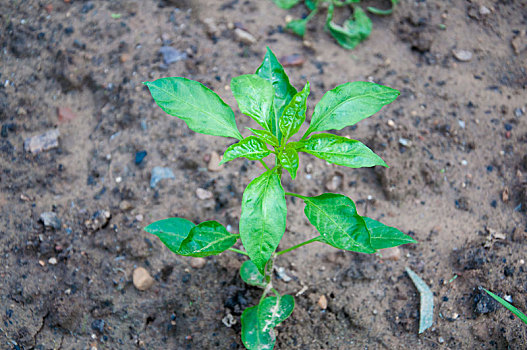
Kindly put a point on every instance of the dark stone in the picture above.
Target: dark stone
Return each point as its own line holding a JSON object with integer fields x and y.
{"x": 98, "y": 325}
{"x": 87, "y": 7}
{"x": 139, "y": 156}
{"x": 508, "y": 271}
{"x": 483, "y": 303}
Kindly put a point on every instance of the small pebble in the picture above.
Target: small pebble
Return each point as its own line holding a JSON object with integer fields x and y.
{"x": 65, "y": 114}
{"x": 441, "y": 340}
{"x": 160, "y": 173}
{"x": 197, "y": 263}
{"x": 125, "y": 205}
{"x": 244, "y": 36}
{"x": 335, "y": 182}
{"x": 323, "y": 302}
{"x": 204, "y": 194}
{"x": 142, "y": 279}
{"x": 484, "y": 10}
{"x": 172, "y": 55}
{"x": 462, "y": 55}
{"x": 52, "y": 261}
{"x": 405, "y": 142}
{"x": 294, "y": 60}
{"x": 283, "y": 275}
{"x": 42, "y": 142}
{"x": 140, "y": 156}
{"x": 214, "y": 162}
{"x": 50, "y": 219}
{"x": 464, "y": 162}
{"x": 391, "y": 123}
{"x": 124, "y": 58}
{"x": 393, "y": 253}
{"x": 518, "y": 112}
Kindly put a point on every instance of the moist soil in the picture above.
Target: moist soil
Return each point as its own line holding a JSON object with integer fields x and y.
{"x": 455, "y": 140}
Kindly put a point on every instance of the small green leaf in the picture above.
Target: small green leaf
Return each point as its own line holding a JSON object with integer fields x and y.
{"x": 356, "y": 29}
{"x": 250, "y": 275}
{"x": 255, "y": 97}
{"x": 252, "y": 337}
{"x": 274, "y": 310}
{"x": 272, "y": 71}
{"x": 258, "y": 322}
{"x": 506, "y": 304}
{"x": 208, "y": 238}
{"x": 341, "y": 151}
{"x": 286, "y": 4}
{"x": 289, "y": 160}
{"x": 336, "y": 218}
{"x": 311, "y": 4}
{"x": 262, "y": 222}
{"x": 294, "y": 114}
{"x": 349, "y": 103}
{"x": 172, "y": 232}
{"x": 296, "y": 145}
{"x": 383, "y": 236}
{"x": 381, "y": 12}
{"x": 250, "y": 147}
{"x": 265, "y": 136}
{"x": 201, "y": 108}
{"x": 298, "y": 26}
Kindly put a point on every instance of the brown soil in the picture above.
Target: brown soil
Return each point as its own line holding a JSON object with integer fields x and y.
{"x": 459, "y": 187}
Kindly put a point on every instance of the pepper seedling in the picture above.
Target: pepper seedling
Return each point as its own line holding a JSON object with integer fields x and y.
{"x": 280, "y": 110}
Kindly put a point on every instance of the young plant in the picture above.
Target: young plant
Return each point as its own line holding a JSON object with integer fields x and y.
{"x": 507, "y": 305}
{"x": 280, "y": 110}
{"x": 354, "y": 30}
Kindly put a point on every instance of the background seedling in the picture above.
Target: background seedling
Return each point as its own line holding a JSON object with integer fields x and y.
{"x": 269, "y": 98}
{"x": 509, "y": 307}
{"x": 348, "y": 35}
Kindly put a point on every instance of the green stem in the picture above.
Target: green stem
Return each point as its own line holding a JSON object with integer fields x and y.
{"x": 238, "y": 251}
{"x": 297, "y": 246}
{"x": 264, "y": 164}
{"x": 295, "y": 195}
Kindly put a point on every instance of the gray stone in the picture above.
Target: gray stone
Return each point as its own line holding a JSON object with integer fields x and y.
{"x": 462, "y": 55}
{"x": 50, "y": 219}
{"x": 171, "y": 55}
{"x": 160, "y": 173}
{"x": 42, "y": 142}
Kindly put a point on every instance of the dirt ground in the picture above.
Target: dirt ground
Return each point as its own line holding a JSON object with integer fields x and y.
{"x": 456, "y": 141}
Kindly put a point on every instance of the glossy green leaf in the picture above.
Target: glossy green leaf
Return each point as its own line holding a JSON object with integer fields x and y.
{"x": 289, "y": 160}
{"x": 250, "y": 275}
{"x": 377, "y": 11}
{"x": 172, "y": 232}
{"x": 262, "y": 222}
{"x": 355, "y": 29}
{"x": 349, "y": 103}
{"x": 255, "y": 97}
{"x": 252, "y": 337}
{"x": 336, "y": 218}
{"x": 286, "y": 4}
{"x": 207, "y": 238}
{"x": 265, "y": 136}
{"x": 294, "y": 114}
{"x": 509, "y": 306}
{"x": 258, "y": 322}
{"x": 250, "y": 147}
{"x": 341, "y": 151}
{"x": 201, "y": 108}
{"x": 272, "y": 71}
{"x": 274, "y": 310}
{"x": 382, "y": 236}
{"x": 298, "y": 26}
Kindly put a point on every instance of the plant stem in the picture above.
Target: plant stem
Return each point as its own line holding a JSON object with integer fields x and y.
{"x": 238, "y": 251}
{"x": 297, "y": 246}
{"x": 264, "y": 164}
{"x": 294, "y": 195}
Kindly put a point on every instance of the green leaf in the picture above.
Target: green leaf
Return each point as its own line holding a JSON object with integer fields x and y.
{"x": 289, "y": 160}
{"x": 252, "y": 337}
{"x": 208, "y": 238}
{"x": 383, "y": 236}
{"x": 262, "y": 222}
{"x": 250, "y": 275}
{"x": 381, "y": 12}
{"x": 336, "y": 218}
{"x": 274, "y": 310}
{"x": 286, "y": 4}
{"x": 349, "y": 103}
{"x": 172, "y": 232}
{"x": 272, "y": 71}
{"x": 341, "y": 151}
{"x": 294, "y": 114}
{"x": 311, "y": 4}
{"x": 265, "y": 136}
{"x": 356, "y": 29}
{"x": 250, "y": 147}
{"x": 258, "y": 322}
{"x": 255, "y": 97}
{"x": 506, "y": 304}
{"x": 201, "y": 108}
{"x": 298, "y": 26}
